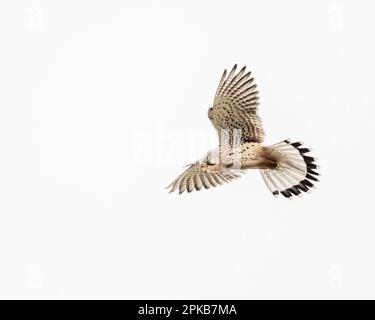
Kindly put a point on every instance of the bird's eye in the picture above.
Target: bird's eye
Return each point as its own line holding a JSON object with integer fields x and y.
{"x": 210, "y": 113}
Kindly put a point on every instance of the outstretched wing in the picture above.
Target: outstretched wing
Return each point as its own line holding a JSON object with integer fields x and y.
{"x": 199, "y": 176}
{"x": 235, "y": 107}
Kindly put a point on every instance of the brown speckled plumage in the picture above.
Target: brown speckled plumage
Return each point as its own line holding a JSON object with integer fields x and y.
{"x": 285, "y": 167}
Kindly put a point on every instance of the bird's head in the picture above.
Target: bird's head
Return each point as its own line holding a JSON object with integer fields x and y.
{"x": 210, "y": 113}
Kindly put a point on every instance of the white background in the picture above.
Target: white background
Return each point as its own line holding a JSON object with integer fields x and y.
{"x": 102, "y": 103}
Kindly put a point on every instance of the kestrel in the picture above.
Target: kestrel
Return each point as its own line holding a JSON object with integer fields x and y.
{"x": 285, "y": 166}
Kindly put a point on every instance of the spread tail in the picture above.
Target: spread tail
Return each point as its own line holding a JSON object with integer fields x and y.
{"x": 295, "y": 172}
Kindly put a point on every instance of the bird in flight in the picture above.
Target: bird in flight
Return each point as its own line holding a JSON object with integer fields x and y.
{"x": 285, "y": 166}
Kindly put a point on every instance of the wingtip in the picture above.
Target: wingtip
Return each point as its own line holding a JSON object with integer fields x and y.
{"x": 243, "y": 69}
